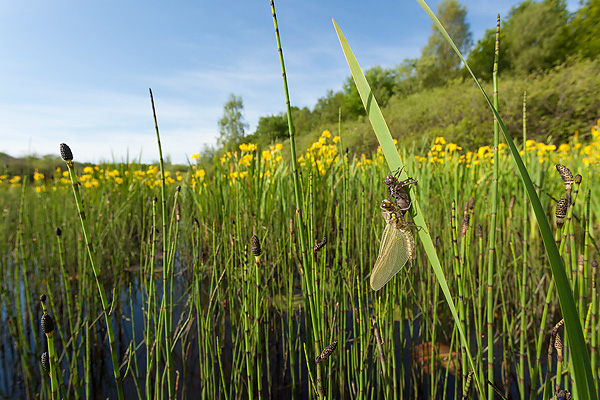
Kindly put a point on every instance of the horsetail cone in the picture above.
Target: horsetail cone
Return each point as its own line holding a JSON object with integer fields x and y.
{"x": 565, "y": 174}
{"x": 561, "y": 211}
{"x": 326, "y": 352}
{"x": 558, "y": 345}
{"x": 562, "y": 394}
{"x": 255, "y": 246}
{"x": 47, "y": 324}
{"x": 465, "y": 225}
{"x": 43, "y": 298}
{"x": 65, "y": 152}
{"x": 320, "y": 245}
{"x": 45, "y": 359}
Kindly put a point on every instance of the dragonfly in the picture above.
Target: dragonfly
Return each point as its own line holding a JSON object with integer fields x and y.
{"x": 397, "y": 245}
{"x": 396, "y": 191}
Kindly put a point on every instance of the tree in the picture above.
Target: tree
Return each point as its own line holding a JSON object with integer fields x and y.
{"x": 232, "y": 126}
{"x": 328, "y": 108}
{"x": 438, "y": 63}
{"x": 481, "y": 58}
{"x": 585, "y": 31}
{"x": 383, "y": 83}
{"x": 272, "y": 128}
{"x": 534, "y": 35}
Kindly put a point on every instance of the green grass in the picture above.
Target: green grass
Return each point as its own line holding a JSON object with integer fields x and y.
{"x": 238, "y": 323}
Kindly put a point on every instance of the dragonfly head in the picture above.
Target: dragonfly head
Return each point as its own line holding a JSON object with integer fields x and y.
{"x": 387, "y": 205}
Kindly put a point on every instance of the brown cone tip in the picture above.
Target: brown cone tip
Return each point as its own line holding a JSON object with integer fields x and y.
{"x": 45, "y": 359}
{"x": 565, "y": 173}
{"x": 255, "y": 245}
{"x": 47, "y": 324}
{"x": 65, "y": 152}
{"x": 561, "y": 208}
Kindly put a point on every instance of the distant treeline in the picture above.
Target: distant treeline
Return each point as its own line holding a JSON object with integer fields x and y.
{"x": 544, "y": 50}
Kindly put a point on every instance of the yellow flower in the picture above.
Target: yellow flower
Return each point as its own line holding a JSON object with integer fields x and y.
{"x": 246, "y": 159}
{"x": 326, "y": 134}
{"x": 88, "y": 170}
{"x": 243, "y": 174}
{"x": 483, "y": 151}
{"x": 279, "y": 146}
{"x": 38, "y": 176}
{"x": 450, "y": 147}
{"x": 564, "y": 148}
{"x": 233, "y": 175}
{"x": 15, "y": 179}
{"x": 119, "y": 181}
{"x": 196, "y": 156}
{"x": 251, "y": 147}
{"x": 200, "y": 173}
{"x": 440, "y": 140}
{"x": 266, "y": 154}
{"x": 336, "y": 139}
{"x": 278, "y": 158}
{"x": 243, "y": 147}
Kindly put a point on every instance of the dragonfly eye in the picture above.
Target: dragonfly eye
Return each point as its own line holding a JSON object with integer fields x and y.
{"x": 386, "y": 204}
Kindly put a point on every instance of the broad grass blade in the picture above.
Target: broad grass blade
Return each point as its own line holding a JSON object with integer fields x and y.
{"x": 393, "y": 159}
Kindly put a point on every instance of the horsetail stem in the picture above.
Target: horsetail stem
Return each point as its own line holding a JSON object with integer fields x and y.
{"x": 67, "y": 156}
{"x": 492, "y": 230}
{"x": 301, "y": 227}
{"x": 47, "y": 325}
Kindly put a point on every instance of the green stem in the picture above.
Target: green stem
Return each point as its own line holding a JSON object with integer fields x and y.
{"x": 97, "y": 276}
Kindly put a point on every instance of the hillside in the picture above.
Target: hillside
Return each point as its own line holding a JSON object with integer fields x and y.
{"x": 560, "y": 101}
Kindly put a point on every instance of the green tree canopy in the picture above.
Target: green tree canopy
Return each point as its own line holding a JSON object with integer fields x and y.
{"x": 232, "y": 125}
{"x": 481, "y": 58}
{"x": 384, "y": 82}
{"x": 535, "y": 35}
{"x": 438, "y": 63}
{"x": 585, "y": 30}
{"x": 272, "y": 127}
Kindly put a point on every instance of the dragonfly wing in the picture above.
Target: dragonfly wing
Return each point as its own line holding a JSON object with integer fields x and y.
{"x": 393, "y": 255}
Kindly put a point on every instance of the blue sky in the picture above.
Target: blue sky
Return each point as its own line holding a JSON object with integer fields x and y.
{"x": 79, "y": 71}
